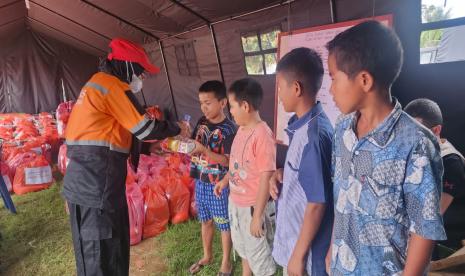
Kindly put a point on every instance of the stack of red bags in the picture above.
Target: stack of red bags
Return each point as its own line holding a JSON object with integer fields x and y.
{"x": 167, "y": 192}
{"x": 26, "y": 151}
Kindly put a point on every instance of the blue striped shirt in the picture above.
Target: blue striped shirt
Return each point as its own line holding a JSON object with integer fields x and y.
{"x": 307, "y": 179}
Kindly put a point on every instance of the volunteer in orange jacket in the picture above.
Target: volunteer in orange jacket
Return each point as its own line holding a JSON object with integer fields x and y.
{"x": 99, "y": 136}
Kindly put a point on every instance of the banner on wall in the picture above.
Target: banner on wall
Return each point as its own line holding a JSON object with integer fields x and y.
{"x": 314, "y": 38}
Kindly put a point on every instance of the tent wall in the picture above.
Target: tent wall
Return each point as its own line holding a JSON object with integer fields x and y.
{"x": 32, "y": 67}
{"x": 89, "y": 25}
{"x": 440, "y": 82}
{"x": 185, "y": 88}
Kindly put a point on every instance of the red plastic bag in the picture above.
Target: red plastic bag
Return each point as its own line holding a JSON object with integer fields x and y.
{"x": 6, "y": 177}
{"x": 62, "y": 159}
{"x": 178, "y": 196}
{"x": 135, "y": 200}
{"x": 154, "y": 112}
{"x": 150, "y": 167}
{"x": 25, "y": 129}
{"x": 6, "y": 133}
{"x": 63, "y": 112}
{"x": 32, "y": 176}
{"x": 157, "y": 211}
{"x": 17, "y": 160}
{"x": 131, "y": 175}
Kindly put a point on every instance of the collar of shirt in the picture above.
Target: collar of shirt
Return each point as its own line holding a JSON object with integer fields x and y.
{"x": 295, "y": 122}
{"x": 382, "y": 133}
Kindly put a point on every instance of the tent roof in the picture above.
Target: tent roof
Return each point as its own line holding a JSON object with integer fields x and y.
{"x": 90, "y": 24}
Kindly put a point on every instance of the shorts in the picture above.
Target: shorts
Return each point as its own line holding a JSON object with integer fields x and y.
{"x": 210, "y": 207}
{"x": 257, "y": 251}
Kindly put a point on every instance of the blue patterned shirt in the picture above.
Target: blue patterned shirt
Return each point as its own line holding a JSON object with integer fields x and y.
{"x": 386, "y": 186}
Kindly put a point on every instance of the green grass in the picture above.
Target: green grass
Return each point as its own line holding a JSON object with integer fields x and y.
{"x": 36, "y": 241}
{"x": 182, "y": 246}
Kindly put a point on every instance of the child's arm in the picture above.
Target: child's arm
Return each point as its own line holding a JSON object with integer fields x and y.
{"x": 313, "y": 215}
{"x": 424, "y": 172}
{"x": 256, "y": 227}
{"x": 329, "y": 255}
{"x": 418, "y": 255}
{"x": 221, "y": 159}
{"x": 221, "y": 185}
{"x": 276, "y": 181}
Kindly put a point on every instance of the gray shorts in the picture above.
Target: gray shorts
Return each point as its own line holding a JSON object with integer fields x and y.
{"x": 257, "y": 251}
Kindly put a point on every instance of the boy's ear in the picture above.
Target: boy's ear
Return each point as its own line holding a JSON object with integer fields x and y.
{"x": 437, "y": 130}
{"x": 297, "y": 88}
{"x": 366, "y": 81}
{"x": 245, "y": 105}
{"x": 224, "y": 102}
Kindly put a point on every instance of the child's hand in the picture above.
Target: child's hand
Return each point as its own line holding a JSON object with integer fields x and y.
{"x": 185, "y": 129}
{"x": 219, "y": 187}
{"x": 199, "y": 148}
{"x": 256, "y": 227}
{"x": 295, "y": 267}
{"x": 276, "y": 180}
{"x": 328, "y": 261}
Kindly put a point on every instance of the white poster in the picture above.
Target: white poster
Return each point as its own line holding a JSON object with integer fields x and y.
{"x": 314, "y": 38}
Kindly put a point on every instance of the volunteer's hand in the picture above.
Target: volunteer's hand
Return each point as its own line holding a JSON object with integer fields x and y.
{"x": 275, "y": 182}
{"x": 156, "y": 148}
{"x": 185, "y": 129}
{"x": 219, "y": 187}
{"x": 256, "y": 227}
{"x": 295, "y": 267}
{"x": 199, "y": 148}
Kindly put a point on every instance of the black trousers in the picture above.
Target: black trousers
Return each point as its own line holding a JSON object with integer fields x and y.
{"x": 100, "y": 240}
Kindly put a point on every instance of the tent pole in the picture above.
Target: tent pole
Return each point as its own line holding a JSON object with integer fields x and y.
{"x": 61, "y": 32}
{"x": 178, "y": 3}
{"x": 232, "y": 18}
{"x": 332, "y": 6}
{"x": 121, "y": 19}
{"x": 215, "y": 45}
{"x": 168, "y": 78}
{"x": 70, "y": 20}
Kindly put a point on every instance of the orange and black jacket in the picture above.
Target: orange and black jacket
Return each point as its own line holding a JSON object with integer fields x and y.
{"x": 99, "y": 136}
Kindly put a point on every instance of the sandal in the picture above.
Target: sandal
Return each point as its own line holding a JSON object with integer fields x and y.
{"x": 196, "y": 267}
{"x": 226, "y": 273}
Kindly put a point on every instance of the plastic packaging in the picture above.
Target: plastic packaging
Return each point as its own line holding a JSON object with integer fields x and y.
{"x": 135, "y": 199}
{"x": 176, "y": 145}
{"x": 32, "y": 176}
{"x": 157, "y": 211}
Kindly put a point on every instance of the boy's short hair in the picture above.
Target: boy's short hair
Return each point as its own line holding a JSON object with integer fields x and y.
{"x": 215, "y": 86}
{"x": 247, "y": 90}
{"x": 369, "y": 46}
{"x": 305, "y": 66}
{"x": 427, "y": 110}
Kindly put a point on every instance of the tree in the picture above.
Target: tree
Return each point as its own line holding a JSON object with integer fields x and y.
{"x": 432, "y": 13}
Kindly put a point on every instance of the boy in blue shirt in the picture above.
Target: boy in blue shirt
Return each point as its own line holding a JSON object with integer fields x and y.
{"x": 387, "y": 168}
{"x": 305, "y": 207}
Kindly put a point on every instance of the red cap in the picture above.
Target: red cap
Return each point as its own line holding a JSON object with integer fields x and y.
{"x": 125, "y": 50}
